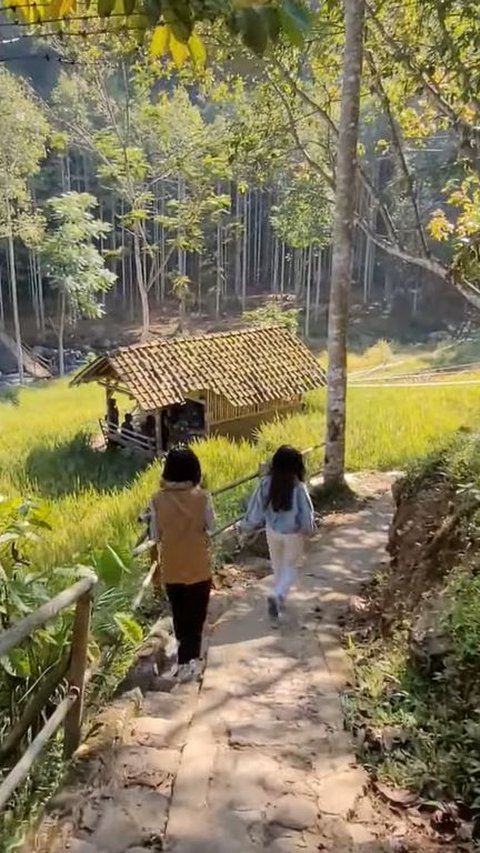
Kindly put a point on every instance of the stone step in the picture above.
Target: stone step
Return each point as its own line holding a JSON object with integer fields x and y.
{"x": 146, "y": 766}
{"x": 311, "y": 738}
{"x": 136, "y": 817}
{"x": 166, "y": 705}
{"x": 159, "y": 733}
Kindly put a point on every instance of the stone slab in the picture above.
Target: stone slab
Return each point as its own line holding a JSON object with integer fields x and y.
{"x": 293, "y": 812}
{"x": 337, "y": 794}
{"x": 159, "y": 733}
{"x": 135, "y": 817}
{"x": 166, "y": 705}
{"x": 152, "y": 768}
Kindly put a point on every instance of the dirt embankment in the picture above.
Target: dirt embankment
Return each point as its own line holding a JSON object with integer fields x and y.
{"x": 427, "y": 537}
{"x": 415, "y": 640}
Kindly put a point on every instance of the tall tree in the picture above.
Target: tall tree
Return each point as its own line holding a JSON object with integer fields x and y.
{"x": 141, "y": 138}
{"x": 23, "y": 137}
{"x": 343, "y": 242}
{"x": 74, "y": 265}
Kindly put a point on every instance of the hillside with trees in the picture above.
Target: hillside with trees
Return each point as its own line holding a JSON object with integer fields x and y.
{"x": 216, "y": 181}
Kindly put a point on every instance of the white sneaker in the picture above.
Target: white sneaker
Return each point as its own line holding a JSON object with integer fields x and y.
{"x": 173, "y": 673}
{"x": 187, "y": 672}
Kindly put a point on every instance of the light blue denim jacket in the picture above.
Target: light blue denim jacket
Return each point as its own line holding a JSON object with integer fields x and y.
{"x": 299, "y": 519}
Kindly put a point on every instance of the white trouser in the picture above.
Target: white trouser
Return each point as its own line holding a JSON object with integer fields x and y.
{"x": 286, "y": 552}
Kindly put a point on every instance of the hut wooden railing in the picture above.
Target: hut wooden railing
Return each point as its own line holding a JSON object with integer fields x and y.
{"x": 69, "y": 711}
{"x": 128, "y": 438}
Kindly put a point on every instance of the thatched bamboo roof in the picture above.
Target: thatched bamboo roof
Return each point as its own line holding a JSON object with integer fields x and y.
{"x": 246, "y": 367}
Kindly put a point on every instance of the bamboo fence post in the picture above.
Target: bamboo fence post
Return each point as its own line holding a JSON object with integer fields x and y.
{"x": 76, "y": 673}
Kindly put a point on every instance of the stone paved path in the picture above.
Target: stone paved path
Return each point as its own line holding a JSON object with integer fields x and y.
{"x": 256, "y": 759}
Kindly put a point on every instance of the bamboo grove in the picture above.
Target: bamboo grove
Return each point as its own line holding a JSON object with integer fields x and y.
{"x": 216, "y": 176}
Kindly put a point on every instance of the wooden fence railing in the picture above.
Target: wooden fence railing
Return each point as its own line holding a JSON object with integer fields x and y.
{"x": 69, "y": 711}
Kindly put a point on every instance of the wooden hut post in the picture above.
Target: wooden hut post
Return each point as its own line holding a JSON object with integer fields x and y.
{"x": 109, "y": 392}
{"x": 158, "y": 432}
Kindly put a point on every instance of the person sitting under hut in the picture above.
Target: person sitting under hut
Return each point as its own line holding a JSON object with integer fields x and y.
{"x": 113, "y": 416}
{"x": 127, "y": 425}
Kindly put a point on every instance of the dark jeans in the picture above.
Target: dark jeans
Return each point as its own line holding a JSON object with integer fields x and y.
{"x": 189, "y": 603}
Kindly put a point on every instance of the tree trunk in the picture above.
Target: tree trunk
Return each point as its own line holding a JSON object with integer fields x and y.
{"x": 141, "y": 284}
{"x": 343, "y": 243}
{"x": 123, "y": 256}
{"x": 131, "y": 289}
{"x": 245, "y": 252}
{"x": 182, "y": 312}
{"x": 41, "y": 299}
{"x": 308, "y": 291}
{"x": 32, "y": 281}
{"x": 182, "y": 261}
{"x": 258, "y": 231}
{"x": 163, "y": 271}
{"x": 114, "y": 240}
{"x": 274, "y": 279}
{"x": 318, "y": 285}
{"x": 238, "y": 246}
{"x": 13, "y": 281}
{"x": 61, "y": 332}
{"x": 199, "y": 297}
{"x": 282, "y": 267}
{"x": 2, "y": 307}
{"x": 218, "y": 287}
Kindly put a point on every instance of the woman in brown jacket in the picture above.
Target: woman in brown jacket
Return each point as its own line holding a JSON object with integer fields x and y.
{"x": 181, "y": 518}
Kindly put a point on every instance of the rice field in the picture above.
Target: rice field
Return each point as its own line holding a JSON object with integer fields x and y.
{"x": 92, "y": 497}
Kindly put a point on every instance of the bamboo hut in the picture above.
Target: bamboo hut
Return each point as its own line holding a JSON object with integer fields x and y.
{"x": 225, "y": 383}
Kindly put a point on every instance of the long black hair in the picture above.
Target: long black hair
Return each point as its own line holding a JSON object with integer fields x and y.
{"x": 286, "y": 471}
{"x": 182, "y": 466}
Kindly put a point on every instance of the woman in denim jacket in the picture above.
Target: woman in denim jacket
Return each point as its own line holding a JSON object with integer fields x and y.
{"x": 281, "y": 503}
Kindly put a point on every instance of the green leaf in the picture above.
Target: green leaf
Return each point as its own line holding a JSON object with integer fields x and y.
{"x": 7, "y": 665}
{"x": 16, "y": 663}
{"x": 181, "y": 29}
{"x": 105, "y": 8}
{"x": 272, "y": 19}
{"x": 128, "y": 6}
{"x": 197, "y": 50}
{"x": 179, "y": 50}
{"x": 37, "y": 520}
{"x": 110, "y": 567}
{"x": 8, "y": 537}
{"x": 139, "y": 24}
{"x": 295, "y": 21}
{"x": 254, "y": 30}
{"x": 160, "y": 41}
{"x": 61, "y": 8}
{"x": 234, "y": 23}
{"x": 179, "y": 18}
{"x": 20, "y": 663}
{"x": 129, "y": 628}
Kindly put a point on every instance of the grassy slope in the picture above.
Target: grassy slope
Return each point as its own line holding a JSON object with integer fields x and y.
{"x": 420, "y": 714}
{"x": 92, "y": 497}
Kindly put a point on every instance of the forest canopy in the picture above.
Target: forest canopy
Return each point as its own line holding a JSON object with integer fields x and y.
{"x": 216, "y": 177}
